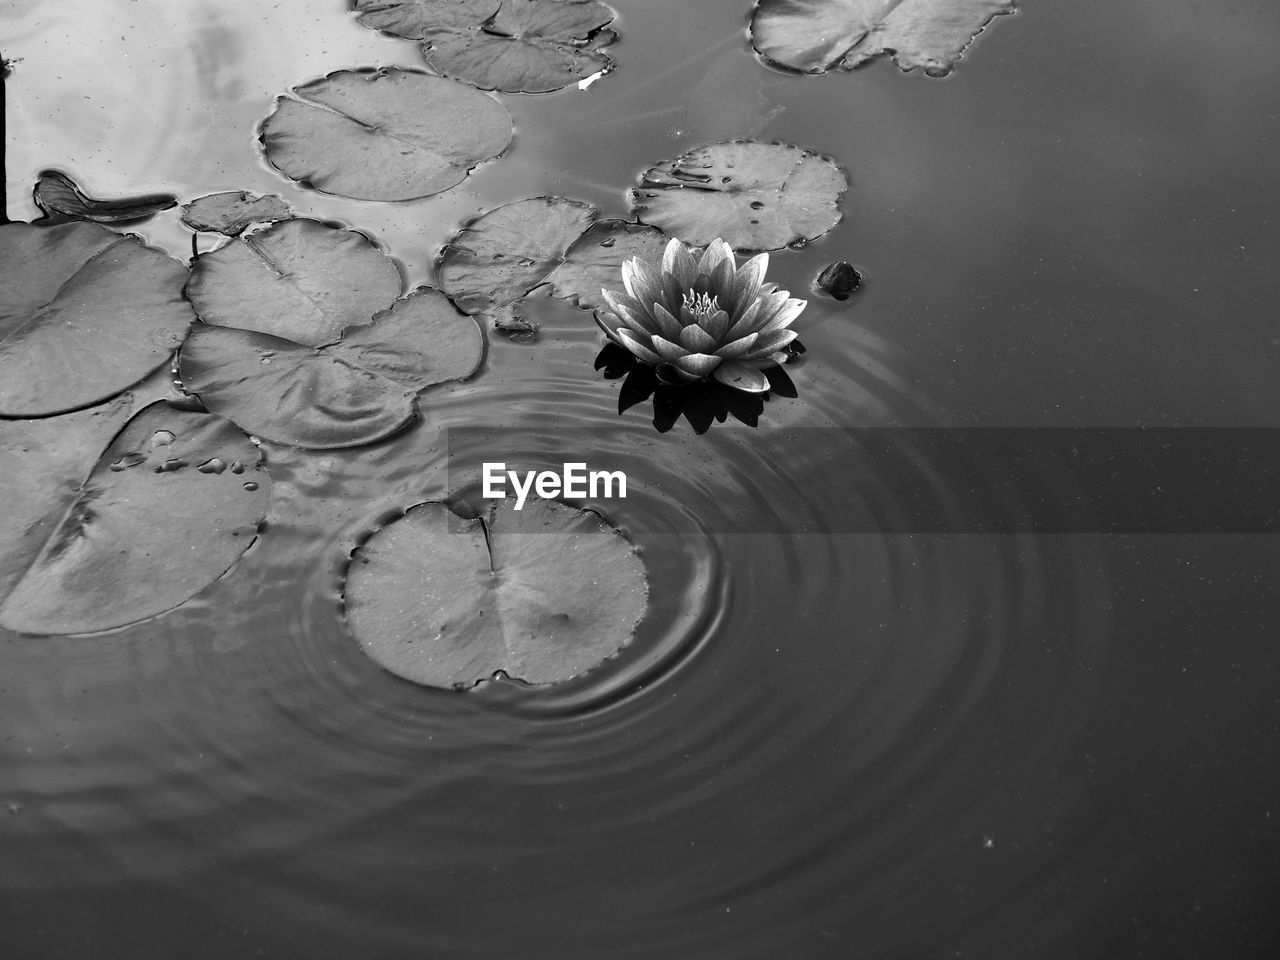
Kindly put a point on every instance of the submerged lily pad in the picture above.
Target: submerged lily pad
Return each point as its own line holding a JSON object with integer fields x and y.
{"x": 60, "y": 196}
{"x": 544, "y": 594}
{"x": 231, "y": 212}
{"x": 515, "y": 46}
{"x": 354, "y": 391}
{"x": 753, "y": 194}
{"x": 171, "y": 503}
{"x": 84, "y": 313}
{"x": 388, "y": 134}
{"x": 814, "y": 36}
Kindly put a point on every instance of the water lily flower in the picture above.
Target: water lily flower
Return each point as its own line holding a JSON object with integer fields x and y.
{"x": 694, "y": 318}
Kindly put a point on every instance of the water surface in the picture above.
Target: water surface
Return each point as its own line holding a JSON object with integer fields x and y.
{"x": 870, "y": 745}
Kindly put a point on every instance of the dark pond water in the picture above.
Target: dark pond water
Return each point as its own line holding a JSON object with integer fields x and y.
{"x": 818, "y": 745}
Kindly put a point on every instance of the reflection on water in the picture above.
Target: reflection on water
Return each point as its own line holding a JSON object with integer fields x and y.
{"x": 818, "y": 745}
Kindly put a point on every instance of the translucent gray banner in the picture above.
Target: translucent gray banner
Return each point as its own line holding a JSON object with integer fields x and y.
{"x": 893, "y": 480}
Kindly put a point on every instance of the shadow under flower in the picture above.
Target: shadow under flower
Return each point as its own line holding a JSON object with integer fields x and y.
{"x": 702, "y": 403}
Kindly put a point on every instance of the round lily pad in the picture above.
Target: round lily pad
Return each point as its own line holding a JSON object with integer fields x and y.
{"x": 298, "y": 279}
{"x": 594, "y": 261}
{"x": 232, "y": 212}
{"x": 84, "y": 313}
{"x": 414, "y": 19}
{"x": 343, "y": 394}
{"x": 506, "y": 252}
{"x": 814, "y": 36}
{"x": 543, "y": 593}
{"x": 515, "y": 46}
{"x": 387, "y": 134}
{"x": 170, "y": 504}
{"x": 754, "y": 194}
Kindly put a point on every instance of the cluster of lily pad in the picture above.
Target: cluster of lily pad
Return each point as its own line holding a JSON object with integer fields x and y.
{"x": 300, "y": 332}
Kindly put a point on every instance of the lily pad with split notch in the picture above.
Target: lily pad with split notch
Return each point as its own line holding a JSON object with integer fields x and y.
{"x": 414, "y": 19}
{"x": 387, "y": 134}
{"x": 594, "y": 260}
{"x": 84, "y": 313}
{"x": 543, "y": 594}
{"x": 98, "y": 538}
{"x": 233, "y": 211}
{"x": 756, "y": 195}
{"x": 512, "y": 46}
{"x": 353, "y": 391}
{"x": 814, "y": 36}
{"x": 504, "y": 253}
{"x": 299, "y": 279}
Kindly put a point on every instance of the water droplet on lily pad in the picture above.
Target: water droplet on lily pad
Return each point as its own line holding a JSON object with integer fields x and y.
{"x": 82, "y": 555}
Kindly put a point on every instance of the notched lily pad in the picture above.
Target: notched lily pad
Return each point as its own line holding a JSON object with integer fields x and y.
{"x": 61, "y": 197}
{"x": 232, "y": 212}
{"x": 544, "y": 594}
{"x": 298, "y": 279}
{"x": 84, "y": 313}
{"x": 509, "y": 251}
{"x": 414, "y": 19}
{"x": 754, "y": 194}
{"x": 387, "y": 134}
{"x": 304, "y": 341}
{"x": 170, "y": 505}
{"x": 515, "y": 46}
{"x": 505, "y": 252}
{"x": 594, "y": 260}
{"x": 357, "y": 390}
{"x": 814, "y": 36}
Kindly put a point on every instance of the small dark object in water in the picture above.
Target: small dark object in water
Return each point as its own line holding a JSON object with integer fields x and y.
{"x": 61, "y": 199}
{"x": 839, "y": 280}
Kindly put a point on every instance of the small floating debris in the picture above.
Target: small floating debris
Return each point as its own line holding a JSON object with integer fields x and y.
{"x": 838, "y": 280}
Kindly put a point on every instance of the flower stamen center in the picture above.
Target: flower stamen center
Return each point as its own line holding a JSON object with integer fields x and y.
{"x": 700, "y": 305}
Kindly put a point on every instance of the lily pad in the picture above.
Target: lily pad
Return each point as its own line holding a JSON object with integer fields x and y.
{"x": 343, "y": 394}
{"x": 814, "y": 36}
{"x": 298, "y": 279}
{"x": 170, "y": 504}
{"x": 414, "y": 19}
{"x": 232, "y": 212}
{"x": 59, "y": 196}
{"x": 754, "y": 194}
{"x": 543, "y": 593}
{"x": 387, "y": 134}
{"x": 595, "y": 259}
{"x": 84, "y": 313}
{"x": 515, "y": 46}
{"x": 506, "y": 252}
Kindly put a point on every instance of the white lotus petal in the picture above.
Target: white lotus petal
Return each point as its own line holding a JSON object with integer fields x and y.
{"x": 697, "y": 364}
{"x": 632, "y": 343}
{"x": 667, "y": 350}
{"x": 741, "y": 376}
